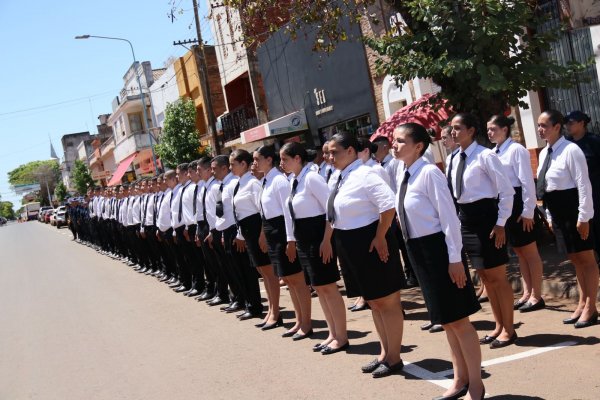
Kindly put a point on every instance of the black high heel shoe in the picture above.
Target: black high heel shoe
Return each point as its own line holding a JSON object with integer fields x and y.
{"x": 274, "y": 325}
{"x": 260, "y": 324}
{"x": 570, "y": 321}
{"x": 590, "y": 322}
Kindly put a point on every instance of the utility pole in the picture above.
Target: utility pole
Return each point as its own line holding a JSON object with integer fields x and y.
{"x": 203, "y": 76}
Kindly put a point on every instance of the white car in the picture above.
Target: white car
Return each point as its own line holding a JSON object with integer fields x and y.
{"x": 59, "y": 218}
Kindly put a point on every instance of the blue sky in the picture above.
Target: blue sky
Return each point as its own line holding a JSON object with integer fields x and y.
{"x": 42, "y": 65}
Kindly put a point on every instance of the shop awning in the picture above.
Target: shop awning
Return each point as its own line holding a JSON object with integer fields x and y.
{"x": 123, "y": 166}
{"x": 294, "y": 122}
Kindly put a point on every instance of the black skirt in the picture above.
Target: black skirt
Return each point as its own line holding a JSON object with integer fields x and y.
{"x": 515, "y": 234}
{"x": 445, "y": 301}
{"x": 477, "y": 221}
{"x": 375, "y": 279}
{"x": 277, "y": 242}
{"x": 250, "y": 228}
{"x": 564, "y": 208}
{"x": 309, "y": 235}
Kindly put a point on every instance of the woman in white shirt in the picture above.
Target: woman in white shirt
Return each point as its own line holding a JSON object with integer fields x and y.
{"x": 484, "y": 196}
{"x": 308, "y": 204}
{"x": 246, "y": 210}
{"x": 281, "y": 243}
{"x": 427, "y": 215}
{"x": 521, "y": 229}
{"x": 361, "y": 211}
{"x": 366, "y": 155}
{"x": 564, "y": 185}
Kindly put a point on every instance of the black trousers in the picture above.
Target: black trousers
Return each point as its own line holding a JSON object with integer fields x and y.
{"x": 152, "y": 247}
{"x": 197, "y": 261}
{"x": 183, "y": 258}
{"x": 168, "y": 254}
{"x": 224, "y": 267}
{"x": 244, "y": 275}
{"x": 211, "y": 264}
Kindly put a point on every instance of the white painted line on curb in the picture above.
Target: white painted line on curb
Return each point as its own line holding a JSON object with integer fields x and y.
{"x": 426, "y": 375}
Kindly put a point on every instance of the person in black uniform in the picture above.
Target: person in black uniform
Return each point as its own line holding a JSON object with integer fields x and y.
{"x": 308, "y": 204}
{"x": 426, "y": 214}
{"x": 361, "y": 210}
{"x": 278, "y": 232}
{"x": 564, "y": 186}
{"x": 485, "y": 198}
{"x": 589, "y": 143}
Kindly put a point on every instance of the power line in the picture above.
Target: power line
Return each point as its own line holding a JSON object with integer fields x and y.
{"x": 55, "y": 104}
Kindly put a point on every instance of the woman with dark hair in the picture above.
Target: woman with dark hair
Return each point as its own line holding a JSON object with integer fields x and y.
{"x": 366, "y": 152}
{"x": 308, "y": 204}
{"x": 589, "y": 143}
{"x": 427, "y": 215}
{"x": 564, "y": 185}
{"x": 361, "y": 211}
{"x": 485, "y": 197}
{"x": 520, "y": 226}
{"x": 281, "y": 243}
{"x": 246, "y": 211}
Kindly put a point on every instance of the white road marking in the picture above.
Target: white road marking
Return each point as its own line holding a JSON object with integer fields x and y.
{"x": 426, "y": 375}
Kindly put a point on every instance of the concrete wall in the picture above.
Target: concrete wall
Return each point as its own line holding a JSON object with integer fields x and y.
{"x": 162, "y": 92}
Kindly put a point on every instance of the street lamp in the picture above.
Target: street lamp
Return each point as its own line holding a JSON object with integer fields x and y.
{"x": 137, "y": 76}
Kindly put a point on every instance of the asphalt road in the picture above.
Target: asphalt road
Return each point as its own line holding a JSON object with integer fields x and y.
{"x": 77, "y": 325}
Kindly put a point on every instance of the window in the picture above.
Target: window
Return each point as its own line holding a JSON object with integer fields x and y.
{"x": 135, "y": 123}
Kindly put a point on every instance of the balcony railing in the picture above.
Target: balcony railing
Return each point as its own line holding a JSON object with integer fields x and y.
{"x": 108, "y": 145}
{"x": 237, "y": 121}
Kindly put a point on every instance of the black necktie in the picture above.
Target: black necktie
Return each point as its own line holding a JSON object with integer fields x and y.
{"x": 237, "y": 187}
{"x": 291, "y": 199}
{"x": 154, "y": 209}
{"x": 220, "y": 211}
{"x": 181, "y": 202}
{"x": 459, "y": 174}
{"x": 498, "y": 150}
{"x": 329, "y": 174}
{"x": 330, "y": 201}
{"x": 450, "y": 172}
{"x": 204, "y": 200}
{"x": 541, "y": 182}
{"x": 401, "y": 213}
{"x": 195, "y": 200}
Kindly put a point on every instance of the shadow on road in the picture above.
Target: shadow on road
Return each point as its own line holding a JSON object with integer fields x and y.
{"x": 515, "y": 397}
{"x": 549, "y": 339}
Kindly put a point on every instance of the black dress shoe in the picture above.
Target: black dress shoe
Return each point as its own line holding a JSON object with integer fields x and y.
{"x": 249, "y": 315}
{"x": 260, "y": 324}
{"x": 487, "y": 339}
{"x": 497, "y": 344}
{"x": 192, "y": 293}
{"x": 570, "y": 321}
{"x": 206, "y": 296}
{"x": 518, "y": 304}
{"x": 370, "y": 367}
{"x": 384, "y": 369}
{"x": 268, "y": 327}
{"x": 436, "y": 328}
{"x": 426, "y": 327}
{"x": 215, "y": 301}
{"x": 362, "y": 307}
{"x": 319, "y": 347}
{"x": 233, "y": 307}
{"x": 461, "y": 393}
{"x": 590, "y": 322}
{"x": 288, "y": 333}
{"x": 529, "y": 307}
{"x": 181, "y": 289}
{"x": 300, "y": 336}
{"x": 328, "y": 350}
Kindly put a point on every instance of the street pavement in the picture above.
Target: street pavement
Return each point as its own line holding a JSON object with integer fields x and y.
{"x": 78, "y": 325}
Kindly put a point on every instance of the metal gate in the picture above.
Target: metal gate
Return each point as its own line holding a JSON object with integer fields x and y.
{"x": 574, "y": 45}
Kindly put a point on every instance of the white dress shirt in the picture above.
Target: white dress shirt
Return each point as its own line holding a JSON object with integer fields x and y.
{"x": 517, "y": 168}
{"x": 333, "y": 179}
{"x": 313, "y": 167}
{"x": 176, "y": 219}
{"x": 106, "y": 208}
{"x": 324, "y": 167}
{"x": 212, "y": 186}
{"x": 568, "y": 170}
{"x": 98, "y": 206}
{"x": 361, "y": 197}
{"x": 148, "y": 211}
{"x": 122, "y": 218}
{"x": 163, "y": 221}
{"x": 189, "y": 218}
{"x": 311, "y": 195}
{"x": 378, "y": 169}
{"x": 199, "y": 207}
{"x": 127, "y": 211}
{"x": 274, "y": 199}
{"x": 247, "y": 198}
{"x": 484, "y": 178}
{"x": 227, "y": 220}
{"x": 134, "y": 211}
{"x": 392, "y": 166}
{"x": 429, "y": 207}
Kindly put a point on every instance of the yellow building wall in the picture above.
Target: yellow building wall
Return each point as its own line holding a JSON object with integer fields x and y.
{"x": 188, "y": 84}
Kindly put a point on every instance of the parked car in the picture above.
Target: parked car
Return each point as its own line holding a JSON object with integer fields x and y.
{"x": 2, "y": 221}
{"x": 48, "y": 215}
{"x": 42, "y": 211}
{"x": 59, "y": 218}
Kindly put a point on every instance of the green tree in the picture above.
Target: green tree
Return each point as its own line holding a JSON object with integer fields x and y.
{"x": 6, "y": 210}
{"x": 60, "y": 192}
{"x": 484, "y": 54}
{"x": 180, "y": 140}
{"x": 82, "y": 178}
{"x": 42, "y": 172}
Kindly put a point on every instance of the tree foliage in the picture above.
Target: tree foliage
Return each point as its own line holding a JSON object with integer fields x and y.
{"x": 81, "y": 176}
{"x": 35, "y": 172}
{"x": 6, "y": 210}
{"x": 484, "y": 54}
{"x": 60, "y": 192}
{"x": 180, "y": 140}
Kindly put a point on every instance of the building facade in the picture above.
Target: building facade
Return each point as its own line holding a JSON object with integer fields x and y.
{"x": 70, "y": 144}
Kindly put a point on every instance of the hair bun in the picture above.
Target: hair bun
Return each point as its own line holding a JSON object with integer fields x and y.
{"x": 510, "y": 120}
{"x": 311, "y": 155}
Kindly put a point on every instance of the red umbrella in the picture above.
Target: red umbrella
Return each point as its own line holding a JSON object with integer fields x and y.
{"x": 421, "y": 112}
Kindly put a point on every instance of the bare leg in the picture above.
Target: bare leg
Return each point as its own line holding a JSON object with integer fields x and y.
{"x": 531, "y": 256}
{"x": 390, "y": 311}
{"x": 272, "y": 287}
{"x": 587, "y": 275}
{"x": 471, "y": 352}
{"x": 491, "y": 293}
{"x": 525, "y": 274}
{"x": 300, "y": 291}
{"x": 335, "y": 304}
{"x": 459, "y": 366}
{"x": 504, "y": 297}
{"x": 381, "y": 333}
